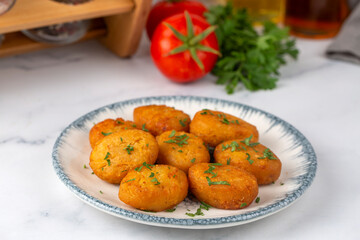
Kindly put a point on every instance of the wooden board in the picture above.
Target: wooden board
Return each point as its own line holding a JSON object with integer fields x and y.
{"x": 27, "y": 14}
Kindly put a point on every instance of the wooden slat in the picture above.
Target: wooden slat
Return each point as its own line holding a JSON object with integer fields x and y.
{"x": 124, "y": 30}
{"x": 27, "y": 14}
{"x": 17, "y": 43}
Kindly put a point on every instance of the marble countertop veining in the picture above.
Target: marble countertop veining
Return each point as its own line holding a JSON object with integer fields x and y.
{"x": 42, "y": 92}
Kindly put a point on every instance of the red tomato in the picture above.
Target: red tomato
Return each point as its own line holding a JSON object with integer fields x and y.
{"x": 182, "y": 67}
{"x": 165, "y": 9}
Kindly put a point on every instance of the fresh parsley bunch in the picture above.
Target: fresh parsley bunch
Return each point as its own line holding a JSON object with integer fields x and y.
{"x": 248, "y": 56}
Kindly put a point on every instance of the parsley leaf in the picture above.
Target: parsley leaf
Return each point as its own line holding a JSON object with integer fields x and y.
{"x": 216, "y": 183}
{"x": 144, "y": 128}
{"x": 129, "y": 148}
{"x": 106, "y": 134}
{"x": 248, "y": 57}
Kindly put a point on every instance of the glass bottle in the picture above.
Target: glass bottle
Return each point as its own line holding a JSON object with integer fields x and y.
{"x": 6, "y": 5}
{"x": 315, "y": 19}
{"x": 63, "y": 33}
{"x": 263, "y": 10}
{"x": 72, "y": 2}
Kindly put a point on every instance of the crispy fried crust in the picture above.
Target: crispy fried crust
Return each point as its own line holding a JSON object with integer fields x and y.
{"x": 241, "y": 190}
{"x": 181, "y": 149}
{"x": 161, "y": 118}
{"x": 215, "y": 127}
{"x": 251, "y": 159}
{"x": 106, "y": 127}
{"x": 122, "y": 151}
{"x": 154, "y": 188}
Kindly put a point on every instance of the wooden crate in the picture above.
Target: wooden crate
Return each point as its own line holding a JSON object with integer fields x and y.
{"x": 117, "y": 23}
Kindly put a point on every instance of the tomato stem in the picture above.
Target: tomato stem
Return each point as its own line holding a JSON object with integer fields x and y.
{"x": 191, "y": 42}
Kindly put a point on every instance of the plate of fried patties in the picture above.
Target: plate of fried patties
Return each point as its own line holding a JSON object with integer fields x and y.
{"x": 184, "y": 161}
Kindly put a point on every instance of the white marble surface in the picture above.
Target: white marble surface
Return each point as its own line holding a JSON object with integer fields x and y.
{"x": 41, "y": 93}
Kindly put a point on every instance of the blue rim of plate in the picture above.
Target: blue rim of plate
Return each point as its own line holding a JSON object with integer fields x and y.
{"x": 304, "y": 180}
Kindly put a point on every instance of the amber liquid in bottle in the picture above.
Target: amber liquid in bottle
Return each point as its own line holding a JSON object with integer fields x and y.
{"x": 262, "y": 10}
{"x": 315, "y": 19}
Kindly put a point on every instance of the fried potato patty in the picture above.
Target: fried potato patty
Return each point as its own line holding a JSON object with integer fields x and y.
{"x": 160, "y": 118}
{"x": 181, "y": 149}
{"x": 252, "y": 157}
{"x": 107, "y": 127}
{"x": 122, "y": 151}
{"x": 222, "y": 186}
{"x": 215, "y": 127}
{"x": 154, "y": 187}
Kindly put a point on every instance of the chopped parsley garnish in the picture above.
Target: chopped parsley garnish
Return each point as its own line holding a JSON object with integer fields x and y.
{"x": 182, "y": 122}
{"x": 129, "y": 148}
{"x": 172, "y": 133}
{"x": 124, "y": 170}
{"x": 108, "y": 161}
{"x": 246, "y": 141}
{"x": 100, "y": 192}
{"x": 179, "y": 140}
{"x": 190, "y": 214}
{"x": 225, "y": 121}
{"x": 155, "y": 181}
{"x": 224, "y": 147}
{"x": 233, "y": 145}
{"x": 257, "y": 200}
{"x": 174, "y": 175}
{"x": 144, "y": 128}
{"x": 203, "y": 113}
{"x": 148, "y": 166}
{"x": 106, "y": 134}
{"x": 268, "y": 154}
{"x": 152, "y": 174}
{"x": 198, "y": 211}
{"x": 216, "y": 183}
{"x": 130, "y": 180}
{"x": 92, "y": 173}
{"x": 147, "y": 145}
{"x": 243, "y": 205}
{"x": 133, "y": 125}
{"x": 170, "y": 210}
{"x": 210, "y": 170}
{"x": 248, "y": 158}
{"x": 121, "y": 139}
{"x": 180, "y": 151}
{"x": 193, "y": 160}
{"x": 228, "y": 161}
{"x": 205, "y": 206}
{"x": 84, "y": 166}
{"x": 237, "y": 122}
{"x": 107, "y": 156}
{"x": 138, "y": 169}
{"x": 281, "y": 183}
{"x": 119, "y": 122}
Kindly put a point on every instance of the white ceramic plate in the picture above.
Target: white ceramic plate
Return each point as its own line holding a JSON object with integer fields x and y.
{"x": 72, "y": 150}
